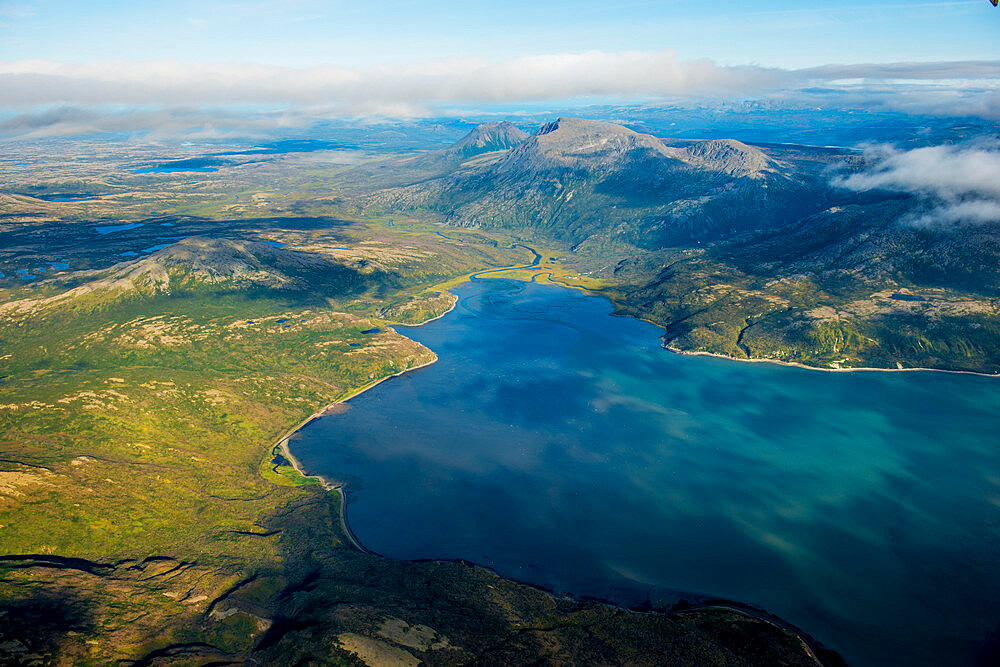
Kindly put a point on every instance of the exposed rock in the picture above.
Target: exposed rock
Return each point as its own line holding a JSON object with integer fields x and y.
{"x": 727, "y": 155}
{"x": 577, "y": 143}
{"x": 375, "y": 653}
{"x": 486, "y": 138}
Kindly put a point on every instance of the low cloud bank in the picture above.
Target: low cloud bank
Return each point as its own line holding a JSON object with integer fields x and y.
{"x": 189, "y": 122}
{"x": 558, "y": 76}
{"x": 416, "y": 89}
{"x": 960, "y": 182}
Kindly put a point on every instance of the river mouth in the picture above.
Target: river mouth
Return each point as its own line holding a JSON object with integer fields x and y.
{"x": 564, "y": 447}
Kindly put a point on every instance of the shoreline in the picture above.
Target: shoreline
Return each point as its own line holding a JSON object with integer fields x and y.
{"x": 283, "y": 442}
{"x": 794, "y": 364}
{"x": 808, "y": 643}
{"x": 327, "y": 485}
{"x": 391, "y": 323}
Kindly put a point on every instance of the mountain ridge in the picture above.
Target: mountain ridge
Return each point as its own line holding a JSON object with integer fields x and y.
{"x": 580, "y": 181}
{"x": 486, "y": 138}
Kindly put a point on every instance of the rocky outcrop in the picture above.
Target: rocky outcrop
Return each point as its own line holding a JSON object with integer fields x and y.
{"x": 578, "y": 144}
{"x": 727, "y": 156}
{"x": 486, "y": 138}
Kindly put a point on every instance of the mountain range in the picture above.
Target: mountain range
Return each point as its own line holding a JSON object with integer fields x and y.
{"x": 748, "y": 251}
{"x": 592, "y": 184}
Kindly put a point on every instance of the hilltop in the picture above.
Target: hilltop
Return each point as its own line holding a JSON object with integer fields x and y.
{"x": 581, "y": 144}
{"x": 486, "y": 138}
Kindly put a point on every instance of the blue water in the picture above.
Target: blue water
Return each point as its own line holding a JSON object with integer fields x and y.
{"x": 174, "y": 170}
{"x": 564, "y": 447}
{"x": 110, "y": 229}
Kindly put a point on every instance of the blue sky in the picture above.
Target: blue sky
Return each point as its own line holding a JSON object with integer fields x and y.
{"x": 357, "y": 33}
{"x": 78, "y": 65}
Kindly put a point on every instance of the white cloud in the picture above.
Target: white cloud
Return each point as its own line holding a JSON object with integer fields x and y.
{"x": 410, "y": 90}
{"x": 961, "y": 182}
{"x": 950, "y": 171}
{"x": 531, "y": 78}
{"x": 153, "y": 124}
{"x": 918, "y": 71}
{"x": 29, "y": 83}
{"x": 975, "y": 212}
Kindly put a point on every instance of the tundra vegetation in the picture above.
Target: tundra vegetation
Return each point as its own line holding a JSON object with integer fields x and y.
{"x": 161, "y": 332}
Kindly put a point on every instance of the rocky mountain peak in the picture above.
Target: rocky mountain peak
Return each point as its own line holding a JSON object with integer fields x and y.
{"x": 578, "y": 143}
{"x": 489, "y": 137}
{"x": 727, "y": 155}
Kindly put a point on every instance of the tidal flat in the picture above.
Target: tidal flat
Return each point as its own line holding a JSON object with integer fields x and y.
{"x": 564, "y": 447}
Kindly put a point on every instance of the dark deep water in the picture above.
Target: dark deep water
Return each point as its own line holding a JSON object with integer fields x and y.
{"x": 564, "y": 447}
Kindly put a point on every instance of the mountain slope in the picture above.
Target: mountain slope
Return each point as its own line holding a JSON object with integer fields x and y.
{"x": 486, "y": 138}
{"x": 850, "y": 287}
{"x": 728, "y": 156}
{"x": 200, "y": 263}
{"x": 591, "y": 184}
{"x": 740, "y": 251}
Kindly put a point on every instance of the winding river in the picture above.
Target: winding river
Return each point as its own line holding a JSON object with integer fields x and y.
{"x": 564, "y": 447}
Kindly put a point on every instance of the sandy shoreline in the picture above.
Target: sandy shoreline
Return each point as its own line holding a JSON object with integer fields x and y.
{"x": 794, "y": 364}
{"x": 390, "y": 323}
{"x": 282, "y": 443}
{"x": 779, "y": 362}
{"x": 283, "y": 446}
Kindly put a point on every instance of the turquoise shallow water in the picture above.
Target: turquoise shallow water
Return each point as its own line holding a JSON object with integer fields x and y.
{"x": 564, "y": 447}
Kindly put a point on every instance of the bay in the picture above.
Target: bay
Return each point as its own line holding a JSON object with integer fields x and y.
{"x": 564, "y": 447}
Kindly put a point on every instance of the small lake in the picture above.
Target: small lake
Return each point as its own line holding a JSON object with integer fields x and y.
{"x": 60, "y": 198}
{"x": 565, "y": 447}
{"x": 175, "y": 170}
{"x": 104, "y": 230}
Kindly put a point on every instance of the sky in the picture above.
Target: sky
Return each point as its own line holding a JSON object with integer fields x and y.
{"x": 351, "y": 33}
{"x": 407, "y": 58}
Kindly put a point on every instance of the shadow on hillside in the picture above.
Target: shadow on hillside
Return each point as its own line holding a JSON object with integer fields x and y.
{"x": 38, "y": 625}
